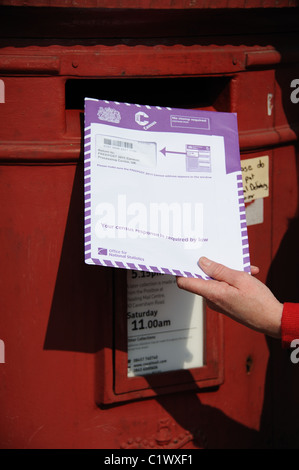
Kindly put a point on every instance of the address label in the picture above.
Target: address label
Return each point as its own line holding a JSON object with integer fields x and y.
{"x": 126, "y": 151}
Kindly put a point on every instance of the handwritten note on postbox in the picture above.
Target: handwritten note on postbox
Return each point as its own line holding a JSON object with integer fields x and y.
{"x": 255, "y": 175}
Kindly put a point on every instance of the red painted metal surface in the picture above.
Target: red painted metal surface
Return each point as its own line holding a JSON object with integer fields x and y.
{"x": 58, "y": 319}
{"x": 152, "y": 4}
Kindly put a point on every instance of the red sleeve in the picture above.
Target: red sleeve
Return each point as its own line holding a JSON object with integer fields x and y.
{"x": 289, "y": 324}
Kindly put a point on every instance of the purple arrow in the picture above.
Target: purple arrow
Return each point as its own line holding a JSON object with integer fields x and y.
{"x": 164, "y": 151}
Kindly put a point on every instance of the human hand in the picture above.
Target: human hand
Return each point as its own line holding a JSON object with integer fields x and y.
{"x": 238, "y": 295}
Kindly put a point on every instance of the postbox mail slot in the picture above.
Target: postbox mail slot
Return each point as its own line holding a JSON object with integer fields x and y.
{"x": 180, "y": 92}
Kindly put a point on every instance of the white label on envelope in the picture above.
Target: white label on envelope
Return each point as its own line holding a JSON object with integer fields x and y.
{"x": 126, "y": 151}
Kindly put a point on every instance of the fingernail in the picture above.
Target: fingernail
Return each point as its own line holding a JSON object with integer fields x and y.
{"x": 203, "y": 261}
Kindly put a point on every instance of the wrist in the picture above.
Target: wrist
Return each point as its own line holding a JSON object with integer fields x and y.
{"x": 276, "y": 317}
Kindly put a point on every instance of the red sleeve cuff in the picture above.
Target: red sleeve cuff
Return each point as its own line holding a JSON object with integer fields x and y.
{"x": 289, "y": 324}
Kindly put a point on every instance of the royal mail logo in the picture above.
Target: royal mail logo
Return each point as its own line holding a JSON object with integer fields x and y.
{"x": 102, "y": 251}
{"x": 109, "y": 114}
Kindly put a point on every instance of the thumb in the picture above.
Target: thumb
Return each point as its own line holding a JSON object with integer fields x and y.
{"x": 218, "y": 271}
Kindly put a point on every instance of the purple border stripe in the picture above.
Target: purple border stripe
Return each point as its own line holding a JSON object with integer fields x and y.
{"x": 205, "y": 278}
{"x": 120, "y": 264}
{"x": 177, "y": 272}
{"x": 247, "y": 269}
{"x": 142, "y": 267}
{"x": 243, "y": 223}
{"x": 132, "y": 266}
{"x": 166, "y": 271}
{"x": 97, "y": 261}
{"x": 188, "y": 274}
{"x": 87, "y": 196}
{"x": 108, "y": 262}
{"x": 155, "y": 269}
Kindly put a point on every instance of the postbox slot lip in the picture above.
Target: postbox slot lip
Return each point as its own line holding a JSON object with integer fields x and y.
{"x": 29, "y": 64}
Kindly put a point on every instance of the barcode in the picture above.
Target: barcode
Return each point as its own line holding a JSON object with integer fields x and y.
{"x": 118, "y": 143}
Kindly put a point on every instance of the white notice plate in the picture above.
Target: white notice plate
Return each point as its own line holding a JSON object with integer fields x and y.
{"x": 165, "y": 325}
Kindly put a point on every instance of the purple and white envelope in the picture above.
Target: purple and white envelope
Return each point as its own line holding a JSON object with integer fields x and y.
{"x": 163, "y": 187}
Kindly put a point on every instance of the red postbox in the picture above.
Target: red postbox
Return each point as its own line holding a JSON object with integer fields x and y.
{"x": 63, "y": 327}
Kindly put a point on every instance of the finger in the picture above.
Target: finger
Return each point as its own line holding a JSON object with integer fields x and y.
{"x": 254, "y": 270}
{"x": 219, "y": 271}
{"x": 205, "y": 288}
